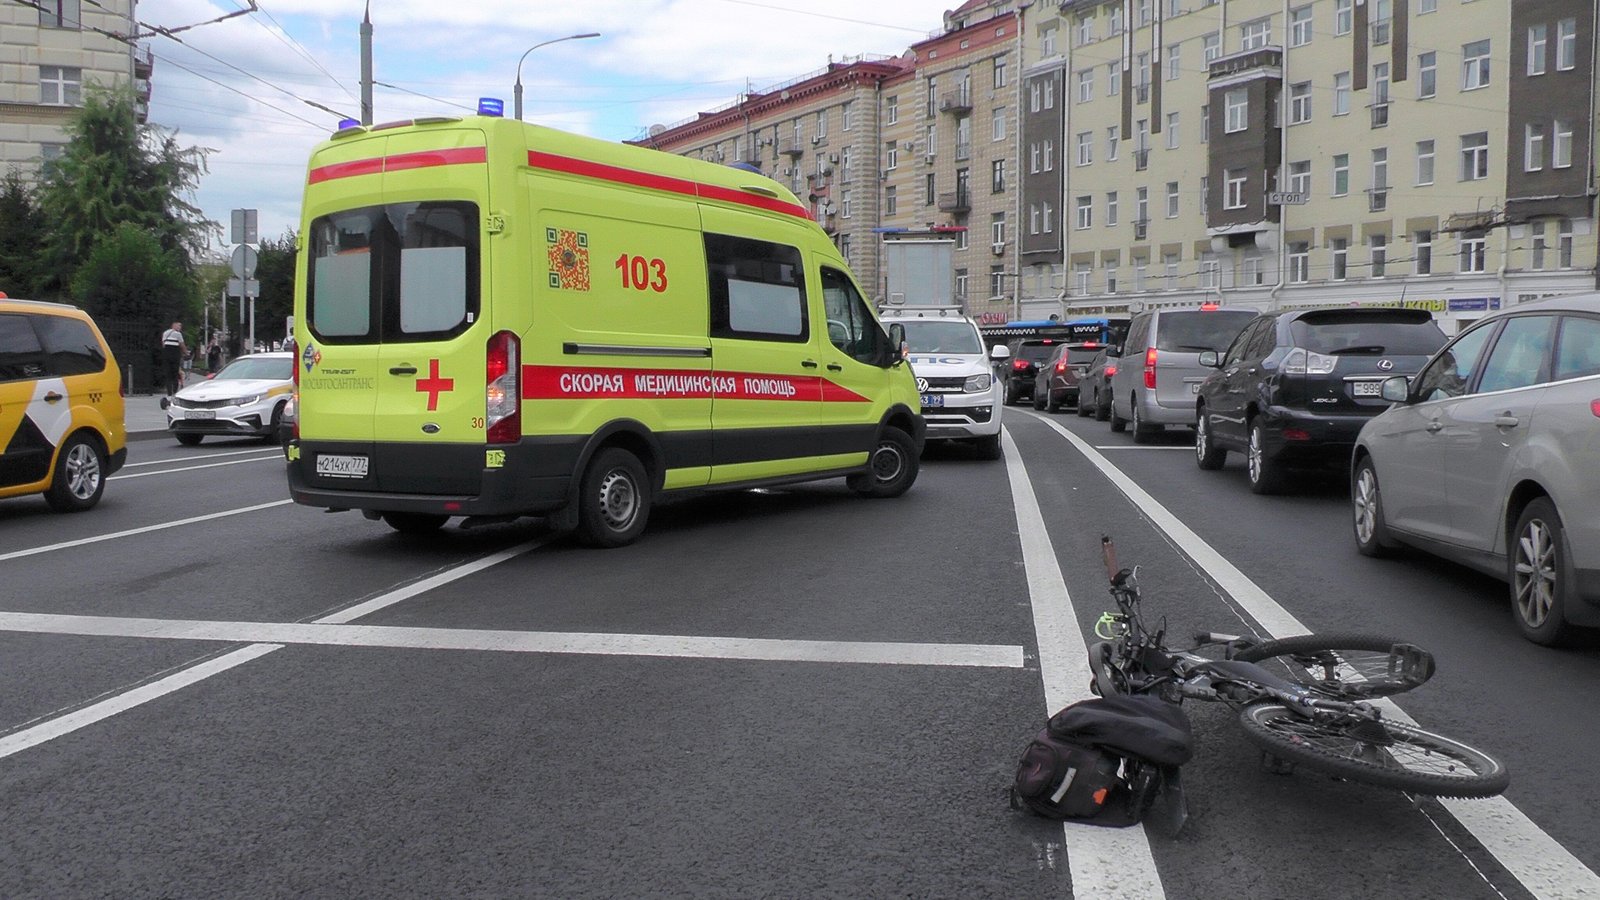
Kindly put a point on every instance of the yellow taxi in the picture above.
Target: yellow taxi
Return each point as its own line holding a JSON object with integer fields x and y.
{"x": 61, "y": 411}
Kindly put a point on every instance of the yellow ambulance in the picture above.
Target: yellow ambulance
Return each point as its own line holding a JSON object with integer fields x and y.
{"x": 495, "y": 319}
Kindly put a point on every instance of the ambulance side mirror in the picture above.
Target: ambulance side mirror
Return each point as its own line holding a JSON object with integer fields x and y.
{"x": 897, "y": 341}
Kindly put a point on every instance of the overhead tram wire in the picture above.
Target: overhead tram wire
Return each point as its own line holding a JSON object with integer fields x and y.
{"x": 288, "y": 40}
{"x": 396, "y": 87}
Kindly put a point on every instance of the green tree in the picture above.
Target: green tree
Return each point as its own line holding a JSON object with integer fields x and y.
{"x": 129, "y": 275}
{"x": 115, "y": 172}
{"x": 275, "y": 271}
{"x": 20, "y": 226}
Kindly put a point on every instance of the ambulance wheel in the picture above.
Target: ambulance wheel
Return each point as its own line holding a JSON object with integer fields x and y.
{"x": 614, "y": 500}
{"x": 415, "y": 523}
{"x": 891, "y": 469}
{"x": 80, "y": 475}
{"x": 188, "y": 439}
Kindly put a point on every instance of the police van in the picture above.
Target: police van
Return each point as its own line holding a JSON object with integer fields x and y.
{"x": 960, "y": 396}
{"x": 496, "y": 319}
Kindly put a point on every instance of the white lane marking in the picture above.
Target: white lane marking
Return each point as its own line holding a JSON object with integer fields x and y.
{"x": 1137, "y": 447}
{"x": 1531, "y": 855}
{"x": 65, "y": 545}
{"x": 25, "y": 738}
{"x": 600, "y": 644}
{"x": 184, "y": 459}
{"x": 18, "y": 741}
{"x": 234, "y": 462}
{"x": 1104, "y": 862}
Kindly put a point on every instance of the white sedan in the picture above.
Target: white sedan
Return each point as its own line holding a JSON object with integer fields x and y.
{"x": 246, "y": 398}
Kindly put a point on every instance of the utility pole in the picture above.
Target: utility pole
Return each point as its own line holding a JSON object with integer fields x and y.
{"x": 366, "y": 65}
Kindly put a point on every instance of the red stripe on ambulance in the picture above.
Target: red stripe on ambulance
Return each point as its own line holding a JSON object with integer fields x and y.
{"x": 421, "y": 159}
{"x": 593, "y": 383}
{"x": 585, "y": 168}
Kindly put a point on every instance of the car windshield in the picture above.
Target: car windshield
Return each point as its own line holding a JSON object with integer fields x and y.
{"x": 941, "y": 337}
{"x": 279, "y": 368}
{"x": 1395, "y": 333}
{"x": 1036, "y": 352}
{"x": 1195, "y": 331}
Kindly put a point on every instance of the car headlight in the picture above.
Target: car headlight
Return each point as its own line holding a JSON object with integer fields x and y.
{"x": 246, "y": 401}
{"x": 977, "y": 383}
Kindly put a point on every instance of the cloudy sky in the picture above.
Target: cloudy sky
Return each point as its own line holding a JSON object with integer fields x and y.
{"x": 241, "y": 87}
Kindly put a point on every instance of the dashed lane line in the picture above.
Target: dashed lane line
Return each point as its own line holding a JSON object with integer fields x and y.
{"x": 1531, "y": 855}
{"x": 231, "y": 462}
{"x": 185, "y": 459}
{"x": 1104, "y": 862}
{"x": 179, "y": 523}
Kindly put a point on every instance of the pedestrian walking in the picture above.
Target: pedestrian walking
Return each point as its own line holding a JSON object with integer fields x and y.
{"x": 173, "y": 350}
{"x": 213, "y": 357}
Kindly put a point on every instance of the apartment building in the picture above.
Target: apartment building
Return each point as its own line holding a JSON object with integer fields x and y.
{"x": 1041, "y": 164}
{"x": 49, "y": 52}
{"x": 1433, "y": 153}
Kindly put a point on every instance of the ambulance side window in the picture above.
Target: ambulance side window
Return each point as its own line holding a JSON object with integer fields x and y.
{"x": 21, "y": 354}
{"x": 757, "y": 290}
{"x": 851, "y": 327}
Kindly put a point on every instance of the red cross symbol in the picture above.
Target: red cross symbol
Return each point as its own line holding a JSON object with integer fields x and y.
{"x": 433, "y": 385}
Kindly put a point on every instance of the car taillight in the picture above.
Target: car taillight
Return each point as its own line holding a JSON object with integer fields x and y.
{"x": 1594, "y": 407}
{"x": 1150, "y": 368}
{"x": 294, "y": 397}
{"x": 502, "y": 391}
{"x": 1110, "y": 371}
{"x": 1019, "y": 364}
{"x": 1300, "y": 361}
{"x": 1061, "y": 367}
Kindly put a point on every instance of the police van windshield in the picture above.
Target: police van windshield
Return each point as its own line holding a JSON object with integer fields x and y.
{"x": 280, "y": 368}
{"x": 394, "y": 273}
{"x": 941, "y": 337}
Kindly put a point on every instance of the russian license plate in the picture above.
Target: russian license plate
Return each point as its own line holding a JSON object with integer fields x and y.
{"x": 335, "y": 466}
{"x": 1367, "y": 388}
{"x": 200, "y": 414}
{"x": 932, "y": 400}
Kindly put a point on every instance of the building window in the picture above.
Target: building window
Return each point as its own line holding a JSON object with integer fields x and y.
{"x": 1113, "y": 79}
{"x": 1047, "y": 41}
{"x": 1141, "y": 205}
{"x": 889, "y": 205}
{"x": 999, "y": 131}
{"x": 1085, "y": 29}
{"x": 1211, "y": 46}
{"x": 60, "y": 85}
{"x": 59, "y": 13}
{"x": 891, "y": 154}
{"x": 1561, "y": 147}
{"x": 1341, "y": 258}
{"x": 1341, "y": 93}
{"x": 1378, "y": 254}
{"x": 1080, "y": 278}
{"x": 1536, "y": 254}
{"x": 1116, "y": 21}
{"x": 1473, "y": 251}
{"x": 1299, "y": 103}
{"x": 1343, "y": 16}
{"x": 999, "y": 71}
{"x": 961, "y": 283}
{"x": 931, "y": 108}
{"x": 1422, "y": 252}
{"x": 1111, "y": 141}
{"x": 997, "y": 227}
{"x": 847, "y": 115}
{"x": 1049, "y": 93}
{"x": 997, "y": 281}
{"x": 1378, "y": 27}
{"x": 1566, "y": 44}
{"x": 1210, "y": 269}
{"x": 1299, "y": 262}
{"x": 962, "y": 236}
{"x": 1300, "y": 177}
{"x": 1205, "y": 192}
{"x": 1172, "y": 62}
{"x": 822, "y": 123}
{"x": 891, "y": 110}
{"x": 1146, "y": 13}
{"x": 1250, "y": 270}
{"x": 1169, "y": 265}
{"x": 998, "y": 175}
{"x": 1172, "y": 131}
{"x": 1049, "y": 218}
{"x": 930, "y": 189}
{"x": 1424, "y": 162}
{"x": 1172, "y": 199}
{"x": 845, "y": 168}
{"x": 1380, "y": 94}
{"x": 1085, "y": 147}
{"x": 1205, "y": 123}
{"x": 1049, "y": 155}
{"x": 1033, "y": 158}
{"x": 1085, "y": 85}
{"x": 1538, "y": 39}
{"x": 1533, "y": 147}
{"x": 1237, "y": 110}
{"x": 1341, "y": 174}
{"x": 1085, "y": 212}
{"x": 1233, "y": 184}
{"x": 1427, "y": 74}
{"x": 1254, "y": 35}
{"x": 1111, "y": 279}
{"x": 1475, "y": 65}
{"x": 1427, "y": 6}
{"x": 1300, "y": 29}
{"x": 1475, "y": 156}
{"x": 844, "y": 203}
{"x": 1033, "y": 218}
{"x": 1111, "y": 209}
{"x": 1564, "y": 243}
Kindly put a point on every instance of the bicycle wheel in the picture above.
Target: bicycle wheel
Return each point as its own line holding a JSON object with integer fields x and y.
{"x": 1385, "y": 753}
{"x": 1346, "y": 666}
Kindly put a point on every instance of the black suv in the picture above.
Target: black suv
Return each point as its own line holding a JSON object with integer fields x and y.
{"x": 1027, "y": 355}
{"x": 1295, "y": 387}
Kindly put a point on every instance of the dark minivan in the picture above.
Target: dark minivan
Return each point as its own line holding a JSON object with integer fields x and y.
{"x": 1294, "y": 388}
{"x": 1027, "y": 355}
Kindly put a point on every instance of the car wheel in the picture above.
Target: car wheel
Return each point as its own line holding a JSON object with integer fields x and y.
{"x": 1051, "y": 404}
{"x": 1366, "y": 504}
{"x": 1102, "y": 408}
{"x": 1083, "y": 406}
{"x": 1142, "y": 433}
{"x": 891, "y": 469}
{"x": 988, "y": 446}
{"x": 1541, "y": 573}
{"x": 1207, "y": 454}
{"x": 415, "y": 523}
{"x": 614, "y": 500}
{"x": 189, "y": 440}
{"x": 1011, "y": 395}
{"x": 1118, "y": 423}
{"x": 271, "y": 436}
{"x": 1038, "y": 400}
{"x": 1266, "y": 475}
{"x": 80, "y": 475}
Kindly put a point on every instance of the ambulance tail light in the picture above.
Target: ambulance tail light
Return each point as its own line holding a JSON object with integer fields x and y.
{"x": 1150, "y": 368}
{"x": 294, "y": 397}
{"x": 503, "y": 390}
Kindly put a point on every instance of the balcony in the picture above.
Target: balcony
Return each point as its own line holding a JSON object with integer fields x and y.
{"x": 1380, "y": 114}
{"x": 1141, "y": 160}
{"x": 144, "y": 62}
{"x": 1377, "y": 199}
{"x": 791, "y": 147}
{"x": 956, "y": 101}
{"x": 959, "y": 201}
{"x": 1141, "y": 93}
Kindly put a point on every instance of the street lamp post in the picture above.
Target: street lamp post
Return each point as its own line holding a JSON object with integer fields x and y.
{"x": 517, "y": 92}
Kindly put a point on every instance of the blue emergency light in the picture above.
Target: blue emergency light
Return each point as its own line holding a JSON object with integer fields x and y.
{"x": 349, "y": 123}
{"x": 491, "y": 106}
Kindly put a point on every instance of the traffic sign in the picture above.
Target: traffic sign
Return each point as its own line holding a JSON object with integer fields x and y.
{"x": 244, "y": 226}
{"x": 237, "y": 287}
{"x": 244, "y": 261}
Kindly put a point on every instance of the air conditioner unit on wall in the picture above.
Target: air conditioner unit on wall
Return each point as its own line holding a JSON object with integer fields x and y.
{"x": 833, "y": 157}
{"x": 999, "y": 248}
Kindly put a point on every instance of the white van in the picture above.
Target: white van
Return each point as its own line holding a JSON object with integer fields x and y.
{"x": 961, "y": 397}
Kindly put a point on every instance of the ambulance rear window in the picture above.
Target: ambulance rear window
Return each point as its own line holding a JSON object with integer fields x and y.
{"x": 395, "y": 273}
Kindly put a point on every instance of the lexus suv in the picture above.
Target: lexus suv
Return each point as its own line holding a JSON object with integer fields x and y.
{"x": 1294, "y": 388}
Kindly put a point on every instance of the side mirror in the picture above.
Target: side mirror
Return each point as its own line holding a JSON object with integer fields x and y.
{"x": 999, "y": 352}
{"x": 1210, "y": 360}
{"x": 1396, "y": 389}
{"x": 897, "y": 341}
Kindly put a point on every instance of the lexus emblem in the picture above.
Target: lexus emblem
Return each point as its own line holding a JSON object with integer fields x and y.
{"x": 922, "y": 385}
{"x": 1385, "y": 365}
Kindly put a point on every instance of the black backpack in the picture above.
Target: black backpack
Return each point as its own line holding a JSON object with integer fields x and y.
{"x": 1105, "y": 761}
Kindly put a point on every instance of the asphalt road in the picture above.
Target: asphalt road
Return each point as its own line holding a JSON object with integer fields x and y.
{"x": 207, "y": 691}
